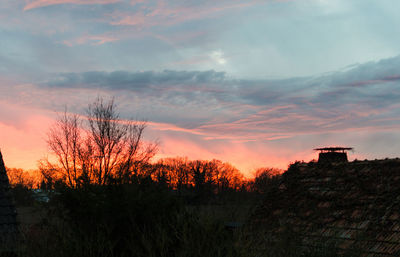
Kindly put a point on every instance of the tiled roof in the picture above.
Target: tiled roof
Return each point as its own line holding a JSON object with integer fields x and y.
{"x": 351, "y": 205}
{"x": 8, "y": 222}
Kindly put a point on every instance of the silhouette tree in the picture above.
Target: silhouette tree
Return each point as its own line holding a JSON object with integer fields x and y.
{"x": 265, "y": 178}
{"x": 118, "y": 145}
{"x": 178, "y": 172}
{"x": 203, "y": 176}
{"x": 64, "y": 141}
{"x": 198, "y": 171}
{"x": 99, "y": 149}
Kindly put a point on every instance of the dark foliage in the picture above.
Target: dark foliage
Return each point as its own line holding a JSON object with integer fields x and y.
{"x": 265, "y": 179}
{"x": 123, "y": 212}
{"x": 137, "y": 219}
{"x": 22, "y": 195}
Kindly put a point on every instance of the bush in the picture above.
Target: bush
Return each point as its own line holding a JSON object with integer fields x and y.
{"x": 22, "y": 195}
{"x": 140, "y": 219}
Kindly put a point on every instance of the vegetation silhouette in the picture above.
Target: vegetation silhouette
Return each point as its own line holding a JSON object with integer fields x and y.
{"x": 148, "y": 217}
{"x": 100, "y": 149}
{"x": 104, "y": 196}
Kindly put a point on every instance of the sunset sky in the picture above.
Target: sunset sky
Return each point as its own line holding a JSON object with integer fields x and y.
{"x": 254, "y": 83}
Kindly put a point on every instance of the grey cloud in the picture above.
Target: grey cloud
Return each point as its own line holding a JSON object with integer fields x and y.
{"x": 374, "y": 79}
{"x": 358, "y": 97}
{"x": 363, "y": 83}
{"x": 134, "y": 80}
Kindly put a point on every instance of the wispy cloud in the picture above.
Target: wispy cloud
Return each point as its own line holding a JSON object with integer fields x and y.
{"x": 164, "y": 13}
{"x": 90, "y": 39}
{"x": 32, "y": 4}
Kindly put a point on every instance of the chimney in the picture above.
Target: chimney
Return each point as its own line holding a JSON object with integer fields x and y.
{"x": 333, "y": 154}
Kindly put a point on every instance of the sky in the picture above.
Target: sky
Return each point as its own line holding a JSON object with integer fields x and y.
{"x": 257, "y": 83}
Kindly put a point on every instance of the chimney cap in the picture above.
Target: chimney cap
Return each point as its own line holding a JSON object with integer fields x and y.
{"x": 333, "y": 149}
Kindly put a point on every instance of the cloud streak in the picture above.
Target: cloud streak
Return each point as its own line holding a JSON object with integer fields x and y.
{"x": 42, "y": 3}
{"x": 167, "y": 13}
{"x": 92, "y": 39}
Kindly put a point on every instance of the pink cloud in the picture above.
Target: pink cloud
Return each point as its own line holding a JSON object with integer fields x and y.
{"x": 246, "y": 152}
{"x": 41, "y": 3}
{"x": 224, "y": 131}
{"x": 91, "y": 39}
{"x": 247, "y": 158}
{"x": 163, "y": 13}
{"x": 138, "y": 19}
{"x": 170, "y": 127}
{"x": 387, "y": 79}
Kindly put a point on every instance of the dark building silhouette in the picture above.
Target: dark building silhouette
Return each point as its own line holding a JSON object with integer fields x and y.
{"x": 332, "y": 154}
{"x": 8, "y": 214}
{"x": 347, "y": 206}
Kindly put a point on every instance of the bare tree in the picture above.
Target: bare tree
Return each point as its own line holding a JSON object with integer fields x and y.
{"x": 64, "y": 141}
{"x": 118, "y": 145}
{"x": 103, "y": 150}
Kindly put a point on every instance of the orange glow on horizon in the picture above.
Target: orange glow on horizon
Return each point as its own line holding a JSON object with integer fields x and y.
{"x": 24, "y": 147}
{"x": 23, "y": 144}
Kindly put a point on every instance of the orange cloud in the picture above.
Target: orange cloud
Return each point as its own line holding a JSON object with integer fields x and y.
{"x": 41, "y": 3}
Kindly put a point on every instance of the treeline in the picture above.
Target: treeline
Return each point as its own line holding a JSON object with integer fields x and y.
{"x": 180, "y": 174}
{"x": 29, "y": 179}
{"x": 177, "y": 173}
